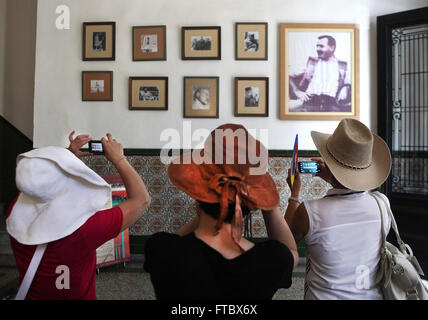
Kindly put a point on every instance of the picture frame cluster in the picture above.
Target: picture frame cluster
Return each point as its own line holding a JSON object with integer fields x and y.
{"x": 334, "y": 47}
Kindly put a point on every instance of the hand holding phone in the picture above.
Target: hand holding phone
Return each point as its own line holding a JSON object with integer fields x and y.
{"x": 77, "y": 143}
{"x": 113, "y": 150}
{"x": 311, "y": 167}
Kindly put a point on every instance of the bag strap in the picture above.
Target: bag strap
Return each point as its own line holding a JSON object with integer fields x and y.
{"x": 31, "y": 272}
{"x": 382, "y": 219}
{"x": 385, "y": 210}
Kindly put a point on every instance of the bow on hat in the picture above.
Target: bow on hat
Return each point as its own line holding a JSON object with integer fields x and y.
{"x": 230, "y": 187}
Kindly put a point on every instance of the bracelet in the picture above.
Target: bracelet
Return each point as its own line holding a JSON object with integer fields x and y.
{"x": 118, "y": 160}
{"x": 294, "y": 199}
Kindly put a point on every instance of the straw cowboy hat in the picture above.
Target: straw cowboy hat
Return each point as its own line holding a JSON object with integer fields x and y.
{"x": 357, "y": 158}
{"x": 59, "y": 193}
{"x": 226, "y": 175}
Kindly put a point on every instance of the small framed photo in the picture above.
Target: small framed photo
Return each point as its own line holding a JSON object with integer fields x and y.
{"x": 319, "y": 71}
{"x": 99, "y": 41}
{"x": 148, "y": 93}
{"x": 149, "y": 43}
{"x": 251, "y": 41}
{"x": 201, "y": 43}
{"x": 251, "y": 97}
{"x": 201, "y": 97}
{"x": 97, "y": 85}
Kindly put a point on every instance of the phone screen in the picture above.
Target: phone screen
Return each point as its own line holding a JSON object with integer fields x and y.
{"x": 96, "y": 147}
{"x": 308, "y": 167}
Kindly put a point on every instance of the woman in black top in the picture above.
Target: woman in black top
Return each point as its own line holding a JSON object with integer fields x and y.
{"x": 209, "y": 259}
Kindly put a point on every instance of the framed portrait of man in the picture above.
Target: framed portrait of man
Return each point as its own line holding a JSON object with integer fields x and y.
{"x": 251, "y": 41}
{"x": 319, "y": 71}
{"x": 251, "y": 97}
{"x": 201, "y": 97}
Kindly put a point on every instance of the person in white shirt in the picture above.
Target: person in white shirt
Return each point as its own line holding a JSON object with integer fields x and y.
{"x": 342, "y": 231}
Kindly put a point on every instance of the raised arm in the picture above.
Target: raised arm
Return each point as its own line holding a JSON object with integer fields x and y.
{"x": 277, "y": 229}
{"x": 138, "y": 197}
{"x": 296, "y": 215}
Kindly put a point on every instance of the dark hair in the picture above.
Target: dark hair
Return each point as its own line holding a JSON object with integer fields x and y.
{"x": 330, "y": 40}
{"x": 213, "y": 210}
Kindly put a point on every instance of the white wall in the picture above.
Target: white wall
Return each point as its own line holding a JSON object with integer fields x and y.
{"x": 58, "y": 108}
{"x": 19, "y": 21}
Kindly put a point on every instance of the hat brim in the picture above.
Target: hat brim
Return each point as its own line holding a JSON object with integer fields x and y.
{"x": 33, "y": 221}
{"x": 262, "y": 192}
{"x": 357, "y": 179}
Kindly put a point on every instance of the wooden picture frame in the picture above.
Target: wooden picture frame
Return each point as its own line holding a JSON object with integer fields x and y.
{"x": 251, "y": 41}
{"x": 148, "y": 43}
{"x": 201, "y": 97}
{"x": 99, "y": 41}
{"x": 201, "y": 43}
{"x": 97, "y": 85}
{"x": 148, "y": 93}
{"x": 251, "y": 97}
{"x": 319, "y": 71}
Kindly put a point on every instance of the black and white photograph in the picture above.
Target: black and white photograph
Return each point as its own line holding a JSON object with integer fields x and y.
{"x": 201, "y": 43}
{"x": 201, "y": 98}
{"x": 318, "y": 70}
{"x": 149, "y": 94}
{"x": 149, "y": 43}
{"x": 251, "y": 42}
{"x": 320, "y": 77}
{"x": 99, "y": 41}
{"x": 252, "y": 96}
{"x": 97, "y": 86}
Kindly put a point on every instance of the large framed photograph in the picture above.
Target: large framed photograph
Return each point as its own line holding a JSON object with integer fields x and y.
{"x": 148, "y": 43}
{"x": 319, "y": 71}
{"x": 97, "y": 85}
{"x": 148, "y": 93}
{"x": 99, "y": 41}
{"x": 251, "y": 97}
{"x": 201, "y": 97}
{"x": 251, "y": 41}
{"x": 201, "y": 43}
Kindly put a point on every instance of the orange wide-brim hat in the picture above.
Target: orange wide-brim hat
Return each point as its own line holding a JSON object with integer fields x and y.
{"x": 232, "y": 168}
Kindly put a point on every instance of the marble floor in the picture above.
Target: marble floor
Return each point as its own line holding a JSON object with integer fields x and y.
{"x": 132, "y": 283}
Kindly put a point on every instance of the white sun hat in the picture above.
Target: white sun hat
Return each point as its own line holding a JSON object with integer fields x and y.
{"x": 59, "y": 193}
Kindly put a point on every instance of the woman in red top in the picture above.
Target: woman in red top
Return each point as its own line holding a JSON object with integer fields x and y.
{"x": 60, "y": 204}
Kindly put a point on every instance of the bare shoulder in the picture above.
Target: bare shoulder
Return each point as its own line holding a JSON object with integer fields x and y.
{"x": 246, "y": 244}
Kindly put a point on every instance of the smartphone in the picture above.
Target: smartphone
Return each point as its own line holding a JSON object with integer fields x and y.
{"x": 96, "y": 146}
{"x": 308, "y": 167}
